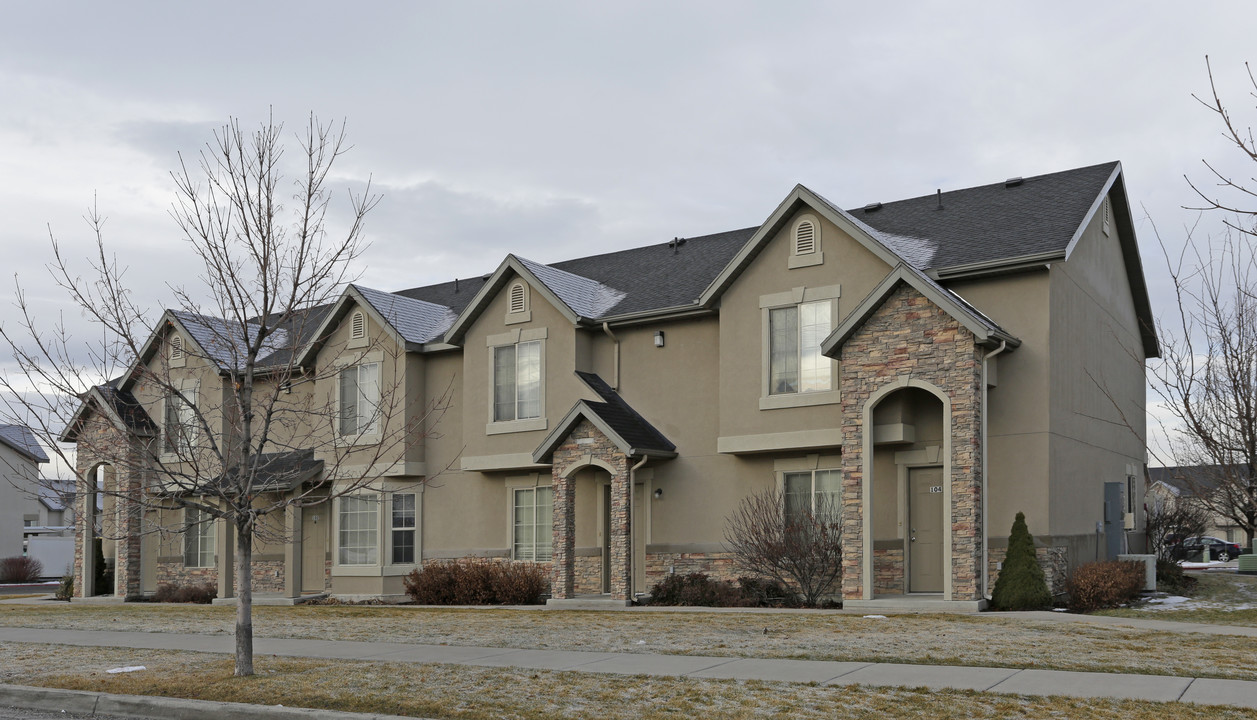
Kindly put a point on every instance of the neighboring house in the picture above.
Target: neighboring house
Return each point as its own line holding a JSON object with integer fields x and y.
{"x": 20, "y": 499}
{"x": 934, "y": 365}
{"x": 1186, "y": 483}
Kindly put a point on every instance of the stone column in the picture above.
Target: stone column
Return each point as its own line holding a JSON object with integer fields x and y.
{"x": 564, "y": 561}
{"x": 129, "y": 535}
{"x": 621, "y": 531}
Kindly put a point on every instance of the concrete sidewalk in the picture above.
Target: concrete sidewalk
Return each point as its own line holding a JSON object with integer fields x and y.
{"x": 1162, "y": 688}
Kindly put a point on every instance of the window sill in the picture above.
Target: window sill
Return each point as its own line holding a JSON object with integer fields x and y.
{"x": 356, "y": 571}
{"x": 515, "y": 426}
{"x": 802, "y": 261}
{"x": 357, "y": 440}
{"x": 793, "y": 400}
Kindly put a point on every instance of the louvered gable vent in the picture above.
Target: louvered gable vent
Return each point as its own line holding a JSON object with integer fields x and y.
{"x": 517, "y": 298}
{"x": 805, "y": 238}
{"x": 358, "y": 328}
{"x": 176, "y": 347}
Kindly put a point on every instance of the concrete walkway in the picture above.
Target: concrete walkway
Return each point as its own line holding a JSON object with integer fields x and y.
{"x": 1162, "y": 688}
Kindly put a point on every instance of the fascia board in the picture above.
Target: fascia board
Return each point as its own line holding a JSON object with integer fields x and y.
{"x": 147, "y": 349}
{"x": 337, "y": 313}
{"x": 333, "y": 316}
{"x": 492, "y": 287}
{"x": 1091, "y": 211}
{"x": 560, "y": 431}
{"x": 996, "y": 267}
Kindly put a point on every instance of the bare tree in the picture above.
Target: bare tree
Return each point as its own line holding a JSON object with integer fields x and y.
{"x": 1207, "y": 376}
{"x": 251, "y": 424}
{"x": 1169, "y": 522}
{"x": 800, "y": 548}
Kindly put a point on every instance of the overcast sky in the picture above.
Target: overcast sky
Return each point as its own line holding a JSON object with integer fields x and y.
{"x": 561, "y": 130}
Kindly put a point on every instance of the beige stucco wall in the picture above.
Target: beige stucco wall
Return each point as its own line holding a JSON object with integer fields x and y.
{"x": 1097, "y": 396}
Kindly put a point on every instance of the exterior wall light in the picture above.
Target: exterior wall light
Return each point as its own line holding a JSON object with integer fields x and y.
{"x": 658, "y": 493}
{"x": 658, "y": 338}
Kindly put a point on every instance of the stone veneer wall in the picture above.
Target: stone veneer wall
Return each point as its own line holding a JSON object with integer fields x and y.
{"x": 581, "y": 447}
{"x": 908, "y": 337}
{"x": 1053, "y": 560}
{"x": 588, "y": 580}
{"x": 659, "y": 565}
{"x": 100, "y": 442}
{"x": 173, "y": 572}
{"x": 888, "y": 572}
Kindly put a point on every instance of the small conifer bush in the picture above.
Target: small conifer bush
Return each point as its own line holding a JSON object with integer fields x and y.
{"x": 1021, "y": 584}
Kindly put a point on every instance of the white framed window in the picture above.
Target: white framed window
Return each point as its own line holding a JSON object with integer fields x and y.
{"x": 180, "y": 422}
{"x": 360, "y": 399}
{"x": 532, "y": 512}
{"x": 816, "y": 491}
{"x": 517, "y": 381}
{"x": 403, "y": 529}
{"x": 795, "y": 362}
{"x": 357, "y": 537}
{"x": 198, "y": 538}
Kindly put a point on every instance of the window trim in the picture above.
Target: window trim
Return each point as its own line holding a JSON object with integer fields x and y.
{"x": 359, "y": 437}
{"x": 207, "y": 537}
{"x": 512, "y": 520}
{"x": 375, "y": 497}
{"x": 190, "y": 390}
{"x": 795, "y": 297}
{"x": 515, "y": 337}
{"x": 393, "y": 528}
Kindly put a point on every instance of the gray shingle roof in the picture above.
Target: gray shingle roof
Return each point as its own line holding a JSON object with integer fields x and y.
{"x": 418, "y": 321}
{"x": 586, "y": 297}
{"x": 20, "y": 438}
{"x": 990, "y": 222}
{"x": 224, "y": 341}
{"x": 627, "y": 423}
{"x": 1191, "y": 479}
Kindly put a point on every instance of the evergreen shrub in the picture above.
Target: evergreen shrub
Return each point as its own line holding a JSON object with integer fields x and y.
{"x": 1021, "y": 584}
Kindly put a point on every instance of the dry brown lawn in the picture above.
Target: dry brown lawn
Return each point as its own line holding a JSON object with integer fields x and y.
{"x": 445, "y": 691}
{"x": 932, "y": 639}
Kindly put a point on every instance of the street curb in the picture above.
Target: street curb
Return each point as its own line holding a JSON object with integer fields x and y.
{"x": 164, "y": 708}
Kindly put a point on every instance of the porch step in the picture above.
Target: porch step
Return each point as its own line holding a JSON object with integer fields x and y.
{"x": 916, "y": 603}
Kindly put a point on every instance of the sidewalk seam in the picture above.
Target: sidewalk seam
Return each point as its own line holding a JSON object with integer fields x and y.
{"x": 1189, "y": 687}
{"x": 1001, "y": 681}
{"x": 854, "y": 669}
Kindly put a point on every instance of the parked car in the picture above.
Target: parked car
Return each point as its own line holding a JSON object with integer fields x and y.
{"x": 1192, "y": 549}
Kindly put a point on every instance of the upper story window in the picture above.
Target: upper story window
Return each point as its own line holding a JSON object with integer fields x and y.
{"x": 795, "y": 333}
{"x": 360, "y": 399}
{"x": 181, "y": 427}
{"x": 517, "y": 381}
{"x": 198, "y": 539}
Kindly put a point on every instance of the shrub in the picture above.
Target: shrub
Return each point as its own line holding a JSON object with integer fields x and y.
{"x": 1171, "y": 578}
{"x": 65, "y": 590}
{"x": 520, "y": 583}
{"x": 700, "y": 590}
{"x": 20, "y": 569}
{"x": 801, "y": 549}
{"x": 455, "y": 583}
{"x": 1099, "y": 585}
{"x": 1021, "y": 584}
{"x": 201, "y": 593}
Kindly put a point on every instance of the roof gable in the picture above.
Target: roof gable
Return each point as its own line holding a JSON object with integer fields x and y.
{"x": 632, "y": 434}
{"x": 409, "y": 321}
{"x": 985, "y": 330}
{"x": 21, "y": 439}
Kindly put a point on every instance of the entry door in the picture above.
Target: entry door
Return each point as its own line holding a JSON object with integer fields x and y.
{"x": 314, "y": 522}
{"x": 925, "y": 517}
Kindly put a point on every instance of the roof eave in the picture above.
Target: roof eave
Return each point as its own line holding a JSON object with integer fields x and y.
{"x": 1001, "y": 266}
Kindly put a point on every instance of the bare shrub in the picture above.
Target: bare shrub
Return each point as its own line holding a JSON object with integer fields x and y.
{"x": 20, "y": 569}
{"x": 801, "y": 549}
{"x": 1109, "y": 584}
{"x": 199, "y": 593}
{"x": 1168, "y": 523}
{"x": 476, "y": 583}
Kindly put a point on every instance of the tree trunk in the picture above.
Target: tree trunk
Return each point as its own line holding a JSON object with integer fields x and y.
{"x": 244, "y": 596}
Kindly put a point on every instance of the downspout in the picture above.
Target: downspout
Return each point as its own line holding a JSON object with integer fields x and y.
{"x": 986, "y": 551}
{"x": 632, "y": 541}
{"x": 615, "y": 384}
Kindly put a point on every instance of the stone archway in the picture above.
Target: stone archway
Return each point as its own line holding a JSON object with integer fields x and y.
{"x": 586, "y": 447}
{"x": 104, "y": 450}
